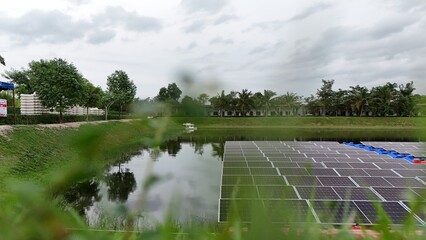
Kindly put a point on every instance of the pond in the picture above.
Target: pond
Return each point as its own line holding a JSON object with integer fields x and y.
{"x": 188, "y": 170}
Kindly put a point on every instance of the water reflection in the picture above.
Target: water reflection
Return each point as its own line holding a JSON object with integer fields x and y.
{"x": 83, "y": 195}
{"x": 120, "y": 185}
{"x": 192, "y": 165}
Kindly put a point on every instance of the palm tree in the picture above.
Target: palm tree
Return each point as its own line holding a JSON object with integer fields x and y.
{"x": 245, "y": 102}
{"x": 290, "y": 101}
{"x": 220, "y": 102}
{"x": 359, "y": 99}
{"x": 268, "y": 102}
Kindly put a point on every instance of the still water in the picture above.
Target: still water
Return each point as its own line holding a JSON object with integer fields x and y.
{"x": 188, "y": 174}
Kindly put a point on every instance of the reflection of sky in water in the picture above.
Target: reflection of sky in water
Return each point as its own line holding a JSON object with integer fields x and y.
{"x": 190, "y": 185}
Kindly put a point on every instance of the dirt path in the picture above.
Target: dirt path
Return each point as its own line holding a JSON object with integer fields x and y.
{"x": 4, "y": 129}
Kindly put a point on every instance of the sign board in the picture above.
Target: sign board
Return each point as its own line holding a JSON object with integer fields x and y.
{"x": 3, "y": 108}
{"x": 6, "y": 86}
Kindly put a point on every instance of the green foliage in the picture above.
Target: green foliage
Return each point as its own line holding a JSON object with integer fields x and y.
{"x": 121, "y": 89}
{"x": 170, "y": 94}
{"x": 58, "y": 83}
{"x": 21, "y": 79}
{"x": 2, "y": 61}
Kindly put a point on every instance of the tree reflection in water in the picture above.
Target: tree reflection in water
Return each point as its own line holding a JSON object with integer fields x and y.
{"x": 83, "y": 195}
{"x": 120, "y": 185}
{"x": 218, "y": 149}
{"x": 171, "y": 146}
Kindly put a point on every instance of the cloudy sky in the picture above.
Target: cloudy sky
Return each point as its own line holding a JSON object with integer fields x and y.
{"x": 223, "y": 44}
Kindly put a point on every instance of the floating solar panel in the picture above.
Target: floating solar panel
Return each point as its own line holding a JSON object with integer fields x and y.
{"x": 269, "y": 180}
{"x": 381, "y": 173}
{"x": 237, "y": 180}
{"x": 343, "y": 184}
{"x": 355, "y": 193}
{"x": 410, "y": 173}
{"x": 303, "y": 180}
{"x": 351, "y": 172}
{"x": 239, "y": 192}
{"x": 264, "y": 171}
{"x": 371, "y": 182}
{"x": 336, "y": 181}
{"x": 277, "y": 192}
{"x": 263, "y": 164}
{"x": 321, "y": 172}
{"x": 394, "y": 211}
{"x": 395, "y": 194}
{"x": 324, "y": 193}
{"x": 404, "y": 182}
{"x": 293, "y": 171}
{"x": 236, "y": 171}
{"x": 339, "y": 212}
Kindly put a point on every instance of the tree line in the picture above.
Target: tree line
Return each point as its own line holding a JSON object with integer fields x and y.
{"x": 389, "y": 99}
{"x": 59, "y": 86}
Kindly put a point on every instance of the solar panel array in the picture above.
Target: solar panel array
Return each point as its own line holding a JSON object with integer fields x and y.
{"x": 324, "y": 182}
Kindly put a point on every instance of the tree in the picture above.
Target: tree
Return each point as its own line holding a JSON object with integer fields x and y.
{"x": 325, "y": 95}
{"x": 405, "y": 101}
{"x": 2, "y": 61}
{"x": 268, "y": 96}
{"x": 245, "y": 102}
{"x": 220, "y": 102}
{"x": 91, "y": 97}
{"x": 57, "y": 83}
{"x": 170, "y": 94}
{"x": 122, "y": 89}
{"x": 290, "y": 101}
{"x": 358, "y": 97}
{"x": 382, "y": 98}
{"x": 21, "y": 79}
{"x": 203, "y": 98}
{"x": 107, "y": 100}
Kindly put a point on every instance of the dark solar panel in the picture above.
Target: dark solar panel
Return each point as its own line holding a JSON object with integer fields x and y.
{"x": 395, "y": 194}
{"x": 337, "y": 165}
{"x": 293, "y": 171}
{"x": 336, "y": 181}
{"x": 227, "y": 164}
{"x": 303, "y": 180}
{"x": 404, "y": 182}
{"x": 239, "y": 192}
{"x": 410, "y": 173}
{"x": 363, "y": 165}
{"x": 393, "y": 210}
{"x": 310, "y": 165}
{"x": 351, "y": 172}
{"x": 280, "y": 192}
{"x": 355, "y": 193}
{"x": 236, "y": 171}
{"x": 421, "y": 193}
{"x": 324, "y": 159}
{"x": 259, "y": 164}
{"x": 323, "y": 193}
{"x": 339, "y": 212}
{"x": 234, "y": 180}
{"x": 321, "y": 171}
{"x": 269, "y": 180}
{"x": 381, "y": 173}
{"x": 263, "y": 171}
{"x": 390, "y": 165}
{"x": 371, "y": 181}
{"x": 285, "y": 164}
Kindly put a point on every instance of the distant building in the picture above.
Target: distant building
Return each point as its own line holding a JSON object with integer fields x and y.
{"x": 31, "y": 105}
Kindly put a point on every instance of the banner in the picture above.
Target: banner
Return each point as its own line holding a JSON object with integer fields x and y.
{"x": 3, "y": 108}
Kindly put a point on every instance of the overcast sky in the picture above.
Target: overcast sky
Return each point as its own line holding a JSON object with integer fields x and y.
{"x": 223, "y": 44}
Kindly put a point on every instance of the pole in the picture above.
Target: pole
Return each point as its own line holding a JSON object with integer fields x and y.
{"x": 14, "y": 106}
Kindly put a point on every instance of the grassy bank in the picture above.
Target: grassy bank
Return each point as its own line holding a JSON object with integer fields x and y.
{"x": 303, "y": 122}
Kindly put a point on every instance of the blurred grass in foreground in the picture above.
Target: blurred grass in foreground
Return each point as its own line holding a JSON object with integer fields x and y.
{"x": 31, "y": 210}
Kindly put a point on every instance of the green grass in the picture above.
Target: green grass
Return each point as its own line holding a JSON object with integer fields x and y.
{"x": 303, "y": 122}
